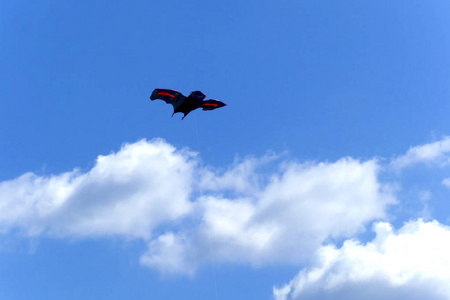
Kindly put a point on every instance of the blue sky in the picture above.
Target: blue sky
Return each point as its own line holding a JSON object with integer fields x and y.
{"x": 333, "y": 149}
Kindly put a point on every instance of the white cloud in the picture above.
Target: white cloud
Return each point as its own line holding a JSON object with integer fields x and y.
{"x": 436, "y": 152}
{"x": 126, "y": 193}
{"x": 241, "y": 177}
{"x": 174, "y": 254}
{"x": 241, "y": 216}
{"x": 245, "y": 216}
{"x": 446, "y": 182}
{"x": 412, "y": 263}
{"x": 298, "y": 209}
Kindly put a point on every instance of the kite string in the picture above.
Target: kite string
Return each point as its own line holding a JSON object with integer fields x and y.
{"x": 209, "y": 233}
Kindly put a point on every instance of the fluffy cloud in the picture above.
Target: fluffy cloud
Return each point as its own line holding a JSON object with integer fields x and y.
{"x": 299, "y": 208}
{"x": 436, "y": 152}
{"x": 241, "y": 215}
{"x": 412, "y": 263}
{"x": 127, "y": 193}
{"x": 240, "y": 178}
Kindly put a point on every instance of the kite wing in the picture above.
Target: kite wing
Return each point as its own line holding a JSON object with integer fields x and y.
{"x": 169, "y": 96}
{"x": 212, "y": 104}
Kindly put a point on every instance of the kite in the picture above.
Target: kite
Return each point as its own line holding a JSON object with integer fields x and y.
{"x": 185, "y": 104}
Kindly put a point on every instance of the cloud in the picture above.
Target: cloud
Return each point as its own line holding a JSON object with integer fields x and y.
{"x": 258, "y": 211}
{"x": 436, "y": 152}
{"x": 284, "y": 221}
{"x": 240, "y": 178}
{"x": 241, "y": 215}
{"x": 446, "y": 182}
{"x": 127, "y": 193}
{"x": 412, "y": 263}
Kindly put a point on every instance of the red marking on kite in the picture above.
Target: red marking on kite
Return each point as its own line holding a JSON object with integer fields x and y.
{"x": 166, "y": 94}
{"x": 211, "y": 104}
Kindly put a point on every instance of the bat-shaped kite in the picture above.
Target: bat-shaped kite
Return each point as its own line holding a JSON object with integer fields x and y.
{"x": 185, "y": 104}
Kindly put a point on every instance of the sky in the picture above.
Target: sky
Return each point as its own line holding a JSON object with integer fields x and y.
{"x": 326, "y": 176}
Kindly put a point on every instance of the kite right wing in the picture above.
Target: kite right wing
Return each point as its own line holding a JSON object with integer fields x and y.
{"x": 212, "y": 104}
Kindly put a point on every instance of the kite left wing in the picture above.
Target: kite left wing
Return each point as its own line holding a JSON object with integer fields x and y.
{"x": 169, "y": 96}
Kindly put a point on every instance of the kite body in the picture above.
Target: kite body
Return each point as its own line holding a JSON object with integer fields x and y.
{"x": 185, "y": 104}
